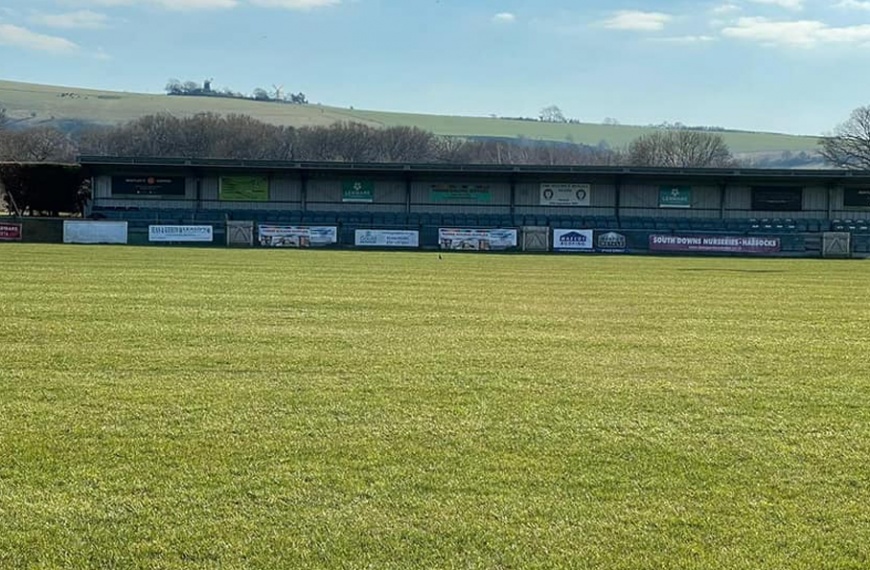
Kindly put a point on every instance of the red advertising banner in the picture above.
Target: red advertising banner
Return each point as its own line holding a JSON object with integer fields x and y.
{"x": 10, "y": 232}
{"x": 715, "y": 244}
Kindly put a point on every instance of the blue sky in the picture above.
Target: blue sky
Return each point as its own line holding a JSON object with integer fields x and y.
{"x": 796, "y": 66}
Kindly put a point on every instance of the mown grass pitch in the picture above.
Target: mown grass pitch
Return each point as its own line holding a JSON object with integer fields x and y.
{"x": 184, "y": 408}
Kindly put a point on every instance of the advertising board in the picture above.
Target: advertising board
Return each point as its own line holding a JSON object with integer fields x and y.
{"x": 460, "y": 193}
{"x": 777, "y": 198}
{"x": 554, "y": 194}
{"x": 148, "y": 185}
{"x": 161, "y": 233}
{"x": 573, "y": 240}
{"x": 857, "y": 198}
{"x": 359, "y": 191}
{"x": 715, "y": 244}
{"x": 476, "y": 239}
{"x": 675, "y": 197}
{"x": 10, "y": 232}
{"x": 81, "y": 231}
{"x": 611, "y": 242}
{"x": 297, "y": 236}
{"x": 244, "y": 189}
{"x": 387, "y": 238}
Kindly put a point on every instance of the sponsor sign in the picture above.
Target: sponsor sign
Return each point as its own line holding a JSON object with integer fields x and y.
{"x": 357, "y": 191}
{"x": 573, "y": 240}
{"x": 611, "y": 242}
{"x": 476, "y": 240}
{"x": 10, "y": 232}
{"x": 180, "y": 233}
{"x": 565, "y": 194}
{"x": 675, "y": 197}
{"x": 464, "y": 193}
{"x": 244, "y": 189}
{"x": 297, "y": 236}
{"x": 777, "y": 198}
{"x": 858, "y": 198}
{"x": 148, "y": 185}
{"x": 715, "y": 244}
{"x": 386, "y": 238}
{"x": 75, "y": 231}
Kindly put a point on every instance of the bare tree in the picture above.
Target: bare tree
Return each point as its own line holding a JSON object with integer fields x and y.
{"x": 553, "y": 114}
{"x": 680, "y": 149}
{"x": 404, "y": 144}
{"x": 39, "y": 144}
{"x": 849, "y": 146}
{"x": 174, "y": 87}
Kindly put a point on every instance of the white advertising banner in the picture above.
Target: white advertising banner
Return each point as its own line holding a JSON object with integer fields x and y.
{"x": 180, "y": 233}
{"x": 573, "y": 240}
{"x": 297, "y": 236}
{"x": 80, "y": 231}
{"x": 565, "y": 194}
{"x": 386, "y": 238}
{"x": 471, "y": 240}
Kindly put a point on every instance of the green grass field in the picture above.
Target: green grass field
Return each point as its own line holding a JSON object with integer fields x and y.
{"x": 46, "y": 103}
{"x": 194, "y": 408}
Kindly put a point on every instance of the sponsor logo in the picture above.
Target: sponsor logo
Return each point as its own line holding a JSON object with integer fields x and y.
{"x": 10, "y": 232}
{"x": 367, "y": 238}
{"x": 573, "y": 238}
{"x": 611, "y": 241}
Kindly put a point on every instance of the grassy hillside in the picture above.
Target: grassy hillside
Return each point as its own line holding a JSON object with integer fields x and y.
{"x": 37, "y": 103}
{"x": 161, "y": 408}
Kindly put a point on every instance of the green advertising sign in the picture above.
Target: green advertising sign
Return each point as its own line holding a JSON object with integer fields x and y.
{"x": 244, "y": 189}
{"x": 357, "y": 191}
{"x": 464, "y": 193}
{"x": 675, "y": 197}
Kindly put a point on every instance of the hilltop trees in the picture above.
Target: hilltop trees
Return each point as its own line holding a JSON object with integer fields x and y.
{"x": 192, "y": 88}
{"x": 552, "y": 114}
{"x": 849, "y": 146}
{"x": 680, "y": 148}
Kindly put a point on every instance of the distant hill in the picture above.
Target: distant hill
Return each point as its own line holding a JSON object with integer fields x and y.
{"x": 71, "y": 108}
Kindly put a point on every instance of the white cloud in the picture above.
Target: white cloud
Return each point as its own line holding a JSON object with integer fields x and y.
{"x": 800, "y": 33}
{"x": 17, "y": 36}
{"x": 687, "y": 39}
{"x": 724, "y": 9}
{"x": 85, "y": 19}
{"x": 504, "y": 18}
{"x": 855, "y": 5}
{"x": 635, "y": 20}
{"x": 787, "y": 4}
{"x": 295, "y": 4}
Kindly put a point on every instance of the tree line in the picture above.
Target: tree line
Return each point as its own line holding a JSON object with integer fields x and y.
{"x": 209, "y": 135}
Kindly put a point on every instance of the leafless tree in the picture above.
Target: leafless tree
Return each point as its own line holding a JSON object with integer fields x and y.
{"x": 849, "y": 146}
{"x": 404, "y": 144}
{"x": 40, "y": 144}
{"x": 553, "y": 114}
{"x": 680, "y": 148}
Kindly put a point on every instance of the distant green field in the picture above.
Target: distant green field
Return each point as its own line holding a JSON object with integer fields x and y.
{"x": 54, "y": 103}
{"x": 182, "y": 408}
